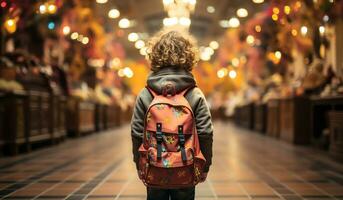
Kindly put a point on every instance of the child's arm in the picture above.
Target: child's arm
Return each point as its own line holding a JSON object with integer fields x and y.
{"x": 137, "y": 122}
{"x": 203, "y": 124}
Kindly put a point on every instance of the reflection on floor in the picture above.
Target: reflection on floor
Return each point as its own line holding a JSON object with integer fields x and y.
{"x": 246, "y": 166}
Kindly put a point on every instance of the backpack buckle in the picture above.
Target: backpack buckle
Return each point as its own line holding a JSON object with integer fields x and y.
{"x": 159, "y": 140}
{"x": 182, "y": 143}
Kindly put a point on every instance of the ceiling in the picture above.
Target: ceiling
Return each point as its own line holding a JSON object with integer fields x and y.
{"x": 149, "y": 15}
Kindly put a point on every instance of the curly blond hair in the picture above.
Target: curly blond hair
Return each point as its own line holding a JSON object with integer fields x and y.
{"x": 172, "y": 49}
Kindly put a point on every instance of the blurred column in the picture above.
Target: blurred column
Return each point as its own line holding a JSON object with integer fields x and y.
{"x": 338, "y": 43}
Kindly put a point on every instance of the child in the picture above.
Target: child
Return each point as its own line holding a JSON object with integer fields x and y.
{"x": 172, "y": 56}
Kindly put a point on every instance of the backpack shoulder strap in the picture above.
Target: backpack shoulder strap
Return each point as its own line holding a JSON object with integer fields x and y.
{"x": 185, "y": 91}
{"x": 151, "y": 91}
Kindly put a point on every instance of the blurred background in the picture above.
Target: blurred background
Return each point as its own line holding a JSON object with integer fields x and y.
{"x": 270, "y": 69}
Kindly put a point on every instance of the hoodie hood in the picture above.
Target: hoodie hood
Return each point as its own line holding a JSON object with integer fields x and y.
{"x": 180, "y": 78}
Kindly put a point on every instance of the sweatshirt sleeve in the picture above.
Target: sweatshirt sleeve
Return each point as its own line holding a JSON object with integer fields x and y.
{"x": 137, "y": 122}
{"x": 203, "y": 124}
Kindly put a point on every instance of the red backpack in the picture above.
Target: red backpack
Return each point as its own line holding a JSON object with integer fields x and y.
{"x": 170, "y": 155}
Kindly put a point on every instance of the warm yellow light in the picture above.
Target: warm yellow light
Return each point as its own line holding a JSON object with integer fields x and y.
{"x": 204, "y": 55}
{"x": 115, "y": 63}
{"x": 80, "y": 38}
{"x": 124, "y": 23}
{"x": 10, "y": 25}
{"x": 52, "y": 9}
{"x": 143, "y": 51}
{"x": 210, "y": 9}
{"x": 101, "y": 1}
{"x": 128, "y": 72}
{"x": 133, "y": 37}
{"x": 139, "y": 44}
{"x": 214, "y": 45}
{"x": 303, "y": 30}
{"x": 222, "y": 72}
{"x": 66, "y": 30}
{"x": 74, "y": 35}
{"x": 170, "y": 21}
{"x": 278, "y": 54}
{"x": 242, "y": 12}
{"x": 294, "y": 32}
{"x": 258, "y": 28}
{"x": 232, "y": 74}
{"x": 275, "y": 17}
{"x": 235, "y": 62}
{"x": 121, "y": 73}
{"x": 167, "y": 2}
{"x": 276, "y": 10}
{"x": 113, "y": 13}
{"x": 287, "y": 10}
{"x": 209, "y": 50}
{"x": 234, "y": 22}
{"x": 85, "y": 40}
{"x": 250, "y": 39}
{"x": 185, "y": 21}
{"x": 298, "y": 4}
{"x": 258, "y": 1}
{"x": 321, "y": 30}
{"x": 42, "y": 9}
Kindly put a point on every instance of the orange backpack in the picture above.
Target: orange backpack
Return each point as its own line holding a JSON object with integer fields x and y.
{"x": 170, "y": 155}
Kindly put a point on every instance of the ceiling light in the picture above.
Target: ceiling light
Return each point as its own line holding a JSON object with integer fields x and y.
{"x": 66, "y": 30}
{"x": 205, "y": 56}
{"x": 303, "y": 30}
{"x": 124, "y": 23}
{"x": 139, "y": 44}
{"x": 242, "y": 12}
{"x": 85, "y": 40}
{"x": 275, "y": 17}
{"x": 326, "y": 18}
{"x": 113, "y": 13}
{"x": 193, "y": 2}
{"x": 185, "y": 21}
{"x": 222, "y": 72}
{"x": 287, "y": 10}
{"x": 278, "y": 54}
{"x": 224, "y": 23}
{"x": 214, "y": 45}
{"x": 42, "y": 9}
{"x": 133, "y": 37}
{"x": 234, "y": 22}
{"x": 276, "y": 10}
{"x": 233, "y": 74}
{"x": 258, "y": 1}
{"x": 250, "y": 39}
{"x": 80, "y": 38}
{"x": 170, "y": 21}
{"x": 142, "y": 51}
{"x": 128, "y": 72}
{"x": 235, "y": 62}
{"x": 258, "y": 28}
{"x": 52, "y": 8}
{"x": 74, "y": 36}
{"x": 322, "y": 30}
{"x": 167, "y": 2}
{"x": 209, "y": 51}
{"x": 210, "y": 9}
{"x": 101, "y": 1}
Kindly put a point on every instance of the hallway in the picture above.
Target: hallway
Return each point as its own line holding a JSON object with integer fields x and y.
{"x": 246, "y": 166}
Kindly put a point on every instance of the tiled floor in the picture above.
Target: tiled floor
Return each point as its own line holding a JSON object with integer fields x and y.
{"x": 99, "y": 167}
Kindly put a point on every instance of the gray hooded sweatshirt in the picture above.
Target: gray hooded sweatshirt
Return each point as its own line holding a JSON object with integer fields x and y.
{"x": 182, "y": 80}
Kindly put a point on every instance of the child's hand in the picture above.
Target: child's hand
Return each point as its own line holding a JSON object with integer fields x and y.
{"x": 203, "y": 177}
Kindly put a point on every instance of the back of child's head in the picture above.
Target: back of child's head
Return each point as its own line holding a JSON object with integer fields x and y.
{"x": 172, "y": 49}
